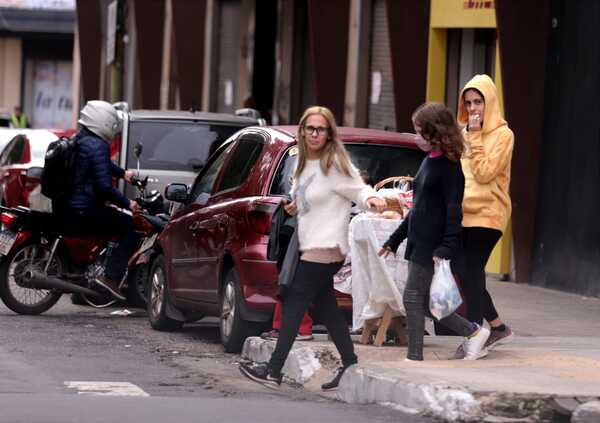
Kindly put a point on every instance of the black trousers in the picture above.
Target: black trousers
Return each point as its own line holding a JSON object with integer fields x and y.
{"x": 478, "y": 244}
{"x": 416, "y": 304}
{"x": 313, "y": 283}
{"x": 106, "y": 221}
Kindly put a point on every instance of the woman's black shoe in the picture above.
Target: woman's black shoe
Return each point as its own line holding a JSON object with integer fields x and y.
{"x": 333, "y": 384}
{"x": 261, "y": 373}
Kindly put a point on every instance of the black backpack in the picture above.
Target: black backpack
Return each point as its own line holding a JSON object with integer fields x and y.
{"x": 58, "y": 177}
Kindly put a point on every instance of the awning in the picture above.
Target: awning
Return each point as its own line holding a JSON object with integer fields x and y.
{"x": 37, "y": 20}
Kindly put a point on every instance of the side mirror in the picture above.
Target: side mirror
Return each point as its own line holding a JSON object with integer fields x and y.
{"x": 177, "y": 193}
{"x": 137, "y": 150}
{"x": 34, "y": 172}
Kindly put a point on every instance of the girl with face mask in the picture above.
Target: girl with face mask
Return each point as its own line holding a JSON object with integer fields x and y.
{"x": 433, "y": 227}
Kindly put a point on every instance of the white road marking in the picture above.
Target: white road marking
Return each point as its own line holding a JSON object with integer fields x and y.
{"x": 118, "y": 389}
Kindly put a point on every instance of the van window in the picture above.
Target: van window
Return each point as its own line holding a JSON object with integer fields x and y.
{"x": 183, "y": 146}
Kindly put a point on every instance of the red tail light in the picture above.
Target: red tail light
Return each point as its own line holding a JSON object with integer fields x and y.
{"x": 7, "y": 219}
{"x": 259, "y": 217}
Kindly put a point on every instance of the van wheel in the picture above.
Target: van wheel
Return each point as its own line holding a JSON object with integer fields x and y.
{"x": 234, "y": 329}
{"x": 158, "y": 297}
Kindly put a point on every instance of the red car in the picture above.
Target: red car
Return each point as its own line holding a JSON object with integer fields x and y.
{"x": 21, "y": 163}
{"x": 211, "y": 258}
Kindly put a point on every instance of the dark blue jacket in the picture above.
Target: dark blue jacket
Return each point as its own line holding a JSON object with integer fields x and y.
{"x": 93, "y": 175}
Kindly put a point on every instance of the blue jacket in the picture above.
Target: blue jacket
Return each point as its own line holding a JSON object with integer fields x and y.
{"x": 93, "y": 175}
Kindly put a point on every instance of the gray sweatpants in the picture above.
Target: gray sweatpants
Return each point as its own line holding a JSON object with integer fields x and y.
{"x": 416, "y": 303}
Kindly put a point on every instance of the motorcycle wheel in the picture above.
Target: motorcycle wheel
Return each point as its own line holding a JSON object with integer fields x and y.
{"x": 14, "y": 291}
{"x": 158, "y": 297}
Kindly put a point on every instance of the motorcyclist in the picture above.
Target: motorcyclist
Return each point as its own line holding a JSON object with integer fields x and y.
{"x": 90, "y": 209}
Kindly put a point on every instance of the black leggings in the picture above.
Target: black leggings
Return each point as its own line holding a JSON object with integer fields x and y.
{"x": 313, "y": 283}
{"x": 478, "y": 244}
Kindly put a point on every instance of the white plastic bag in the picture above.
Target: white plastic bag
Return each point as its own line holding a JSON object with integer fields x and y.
{"x": 444, "y": 296}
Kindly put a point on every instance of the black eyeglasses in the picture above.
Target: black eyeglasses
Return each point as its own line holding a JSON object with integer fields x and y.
{"x": 319, "y": 129}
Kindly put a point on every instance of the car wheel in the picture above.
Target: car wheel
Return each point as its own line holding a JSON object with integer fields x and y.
{"x": 158, "y": 297}
{"x": 234, "y": 329}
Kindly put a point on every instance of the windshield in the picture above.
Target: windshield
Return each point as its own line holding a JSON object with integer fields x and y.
{"x": 375, "y": 162}
{"x": 183, "y": 146}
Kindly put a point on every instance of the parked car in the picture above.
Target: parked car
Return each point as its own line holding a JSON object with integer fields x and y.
{"x": 21, "y": 163}
{"x": 176, "y": 144}
{"x": 211, "y": 258}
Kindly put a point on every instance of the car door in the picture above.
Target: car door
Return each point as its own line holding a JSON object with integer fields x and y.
{"x": 217, "y": 222}
{"x": 184, "y": 231}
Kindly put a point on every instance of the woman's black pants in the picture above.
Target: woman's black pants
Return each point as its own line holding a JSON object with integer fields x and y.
{"x": 478, "y": 244}
{"x": 313, "y": 283}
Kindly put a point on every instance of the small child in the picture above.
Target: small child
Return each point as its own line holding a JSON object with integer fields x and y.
{"x": 433, "y": 227}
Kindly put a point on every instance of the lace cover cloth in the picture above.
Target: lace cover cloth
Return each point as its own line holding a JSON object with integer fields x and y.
{"x": 375, "y": 282}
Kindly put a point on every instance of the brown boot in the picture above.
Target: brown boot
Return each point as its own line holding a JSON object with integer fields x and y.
{"x": 111, "y": 286}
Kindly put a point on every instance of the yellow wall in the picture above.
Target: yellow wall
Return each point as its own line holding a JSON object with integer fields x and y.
{"x": 453, "y": 14}
{"x": 10, "y": 73}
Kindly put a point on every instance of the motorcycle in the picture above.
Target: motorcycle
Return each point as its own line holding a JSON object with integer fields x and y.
{"x": 39, "y": 263}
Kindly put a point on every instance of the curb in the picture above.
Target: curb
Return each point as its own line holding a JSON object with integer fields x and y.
{"x": 399, "y": 390}
{"x": 302, "y": 362}
{"x": 452, "y": 403}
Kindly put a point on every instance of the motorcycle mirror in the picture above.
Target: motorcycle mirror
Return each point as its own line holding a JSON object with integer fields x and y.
{"x": 137, "y": 149}
{"x": 34, "y": 172}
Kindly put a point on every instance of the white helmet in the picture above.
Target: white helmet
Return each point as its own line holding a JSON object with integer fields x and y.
{"x": 101, "y": 118}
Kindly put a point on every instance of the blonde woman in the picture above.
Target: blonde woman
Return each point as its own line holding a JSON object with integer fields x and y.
{"x": 325, "y": 184}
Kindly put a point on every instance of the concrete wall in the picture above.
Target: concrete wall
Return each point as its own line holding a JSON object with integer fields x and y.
{"x": 10, "y": 72}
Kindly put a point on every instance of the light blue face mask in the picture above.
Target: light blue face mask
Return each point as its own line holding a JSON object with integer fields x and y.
{"x": 422, "y": 143}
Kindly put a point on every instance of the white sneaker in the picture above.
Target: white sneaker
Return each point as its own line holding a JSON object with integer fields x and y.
{"x": 474, "y": 346}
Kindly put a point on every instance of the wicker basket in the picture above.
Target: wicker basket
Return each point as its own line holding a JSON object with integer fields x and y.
{"x": 393, "y": 203}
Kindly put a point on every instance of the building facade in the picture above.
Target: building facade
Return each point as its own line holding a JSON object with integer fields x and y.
{"x": 36, "y": 60}
{"x": 373, "y": 62}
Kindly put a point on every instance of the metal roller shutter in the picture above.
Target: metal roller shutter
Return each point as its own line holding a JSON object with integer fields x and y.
{"x": 381, "y": 90}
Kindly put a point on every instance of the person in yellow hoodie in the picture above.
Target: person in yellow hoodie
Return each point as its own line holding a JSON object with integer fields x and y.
{"x": 486, "y": 203}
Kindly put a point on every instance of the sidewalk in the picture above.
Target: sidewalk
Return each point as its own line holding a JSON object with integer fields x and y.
{"x": 548, "y": 373}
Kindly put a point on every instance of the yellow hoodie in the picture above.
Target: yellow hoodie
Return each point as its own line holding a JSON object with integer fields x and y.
{"x": 486, "y": 161}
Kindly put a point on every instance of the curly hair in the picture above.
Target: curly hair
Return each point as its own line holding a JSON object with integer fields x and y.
{"x": 438, "y": 126}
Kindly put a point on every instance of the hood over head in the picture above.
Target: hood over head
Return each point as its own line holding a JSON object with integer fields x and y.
{"x": 492, "y": 116}
{"x": 101, "y": 118}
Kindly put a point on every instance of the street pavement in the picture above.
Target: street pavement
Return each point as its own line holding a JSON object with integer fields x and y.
{"x": 550, "y": 369}
{"x": 79, "y": 364}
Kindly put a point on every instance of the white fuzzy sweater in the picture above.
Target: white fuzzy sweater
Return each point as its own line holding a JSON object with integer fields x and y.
{"x": 324, "y": 203}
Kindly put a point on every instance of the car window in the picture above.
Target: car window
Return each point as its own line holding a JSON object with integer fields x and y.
{"x": 242, "y": 161}
{"x": 5, "y": 153}
{"x": 203, "y": 186}
{"x": 14, "y": 151}
{"x": 175, "y": 145}
{"x": 378, "y": 161}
